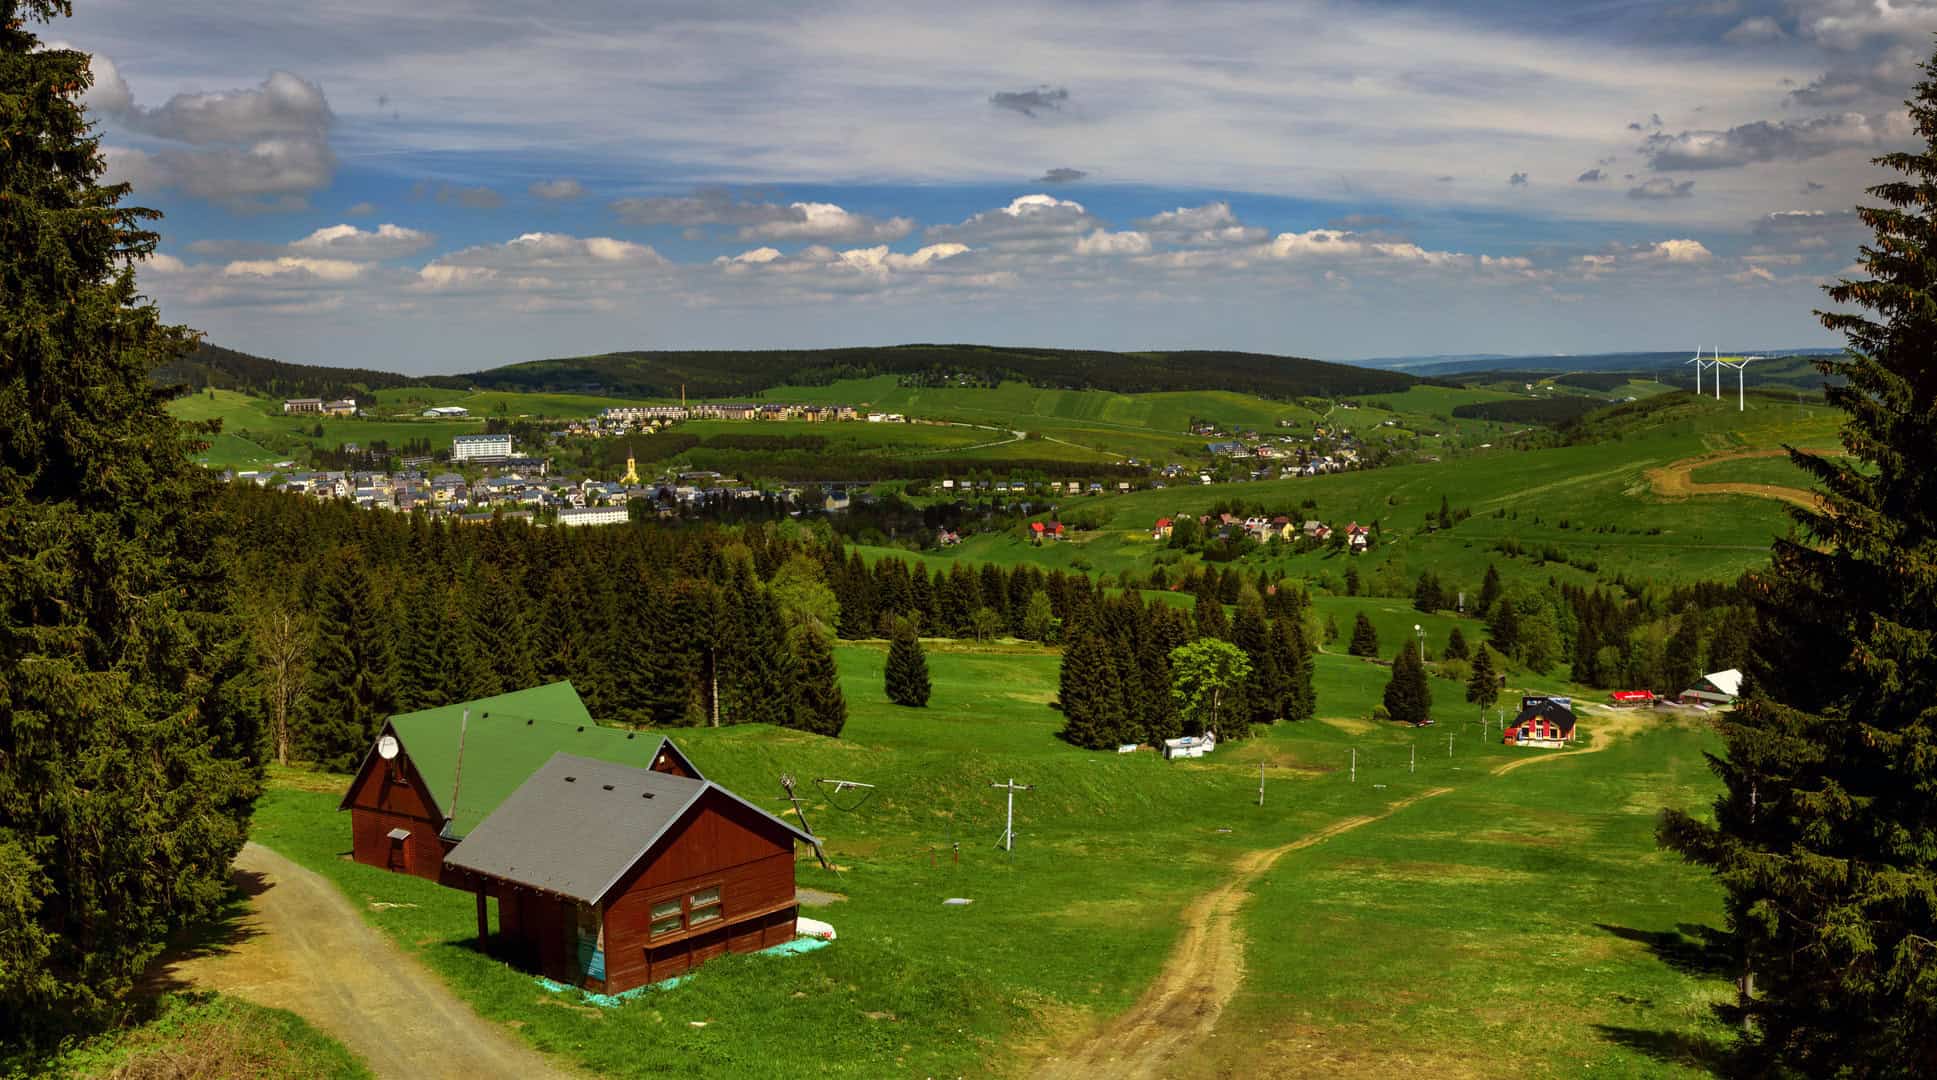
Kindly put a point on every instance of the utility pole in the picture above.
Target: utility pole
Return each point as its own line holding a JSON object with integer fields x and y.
{"x": 1449, "y": 744}
{"x": 1260, "y": 783}
{"x": 1009, "y": 829}
{"x": 1355, "y": 764}
{"x": 787, "y": 781}
{"x": 1412, "y": 758}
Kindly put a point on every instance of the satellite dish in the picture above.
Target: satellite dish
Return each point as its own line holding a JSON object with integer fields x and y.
{"x": 387, "y": 747}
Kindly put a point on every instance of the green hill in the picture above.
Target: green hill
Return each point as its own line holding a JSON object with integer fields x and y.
{"x": 211, "y": 366}
{"x": 737, "y": 372}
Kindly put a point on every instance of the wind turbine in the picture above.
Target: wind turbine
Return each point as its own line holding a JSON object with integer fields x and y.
{"x": 1701, "y": 365}
{"x": 1740, "y": 366}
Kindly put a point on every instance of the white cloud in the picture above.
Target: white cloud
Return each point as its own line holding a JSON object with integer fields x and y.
{"x": 1754, "y": 275}
{"x": 1755, "y": 31}
{"x": 264, "y": 146}
{"x": 1677, "y": 251}
{"x": 826, "y": 221}
{"x": 295, "y": 266}
{"x": 755, "y": 257}
{"x": 557, "y": 190}
{"x": 1337, "y": 244}
{"x": 1027, "y": 223}
{"x": 1103, "y": 242}
{"x": 348, "y": 241}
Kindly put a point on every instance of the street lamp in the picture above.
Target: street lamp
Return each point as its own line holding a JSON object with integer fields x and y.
{"x": 1420, "y": 631}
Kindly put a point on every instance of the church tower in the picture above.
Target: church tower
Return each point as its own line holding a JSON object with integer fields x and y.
{"x": 631, "y": 469}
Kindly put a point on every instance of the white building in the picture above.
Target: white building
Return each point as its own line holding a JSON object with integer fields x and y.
{"x": 593, "y": 515}
{"x": 480, "y": 447}
{"x": 447, "y": 411}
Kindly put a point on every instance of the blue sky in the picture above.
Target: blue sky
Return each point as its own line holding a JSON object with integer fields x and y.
{"x": 476, "y": 182}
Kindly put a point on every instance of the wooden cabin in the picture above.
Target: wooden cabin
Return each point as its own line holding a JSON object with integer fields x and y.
{"x": 613, "y": 862}
{"x": 1542, "y": 721}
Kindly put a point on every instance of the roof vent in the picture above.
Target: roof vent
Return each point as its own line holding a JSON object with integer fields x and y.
{"x": 607, "y": 787}
{"x": 571, "y": 779}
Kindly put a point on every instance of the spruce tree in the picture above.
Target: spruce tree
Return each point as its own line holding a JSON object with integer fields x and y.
{"x": 1456, "y": 648}
{"x": 352, "y": 684}
{"x": 129, "y": 758}
{"x": 1091, "y": 691}
{"x": 1489, "y": 590}
{"x": 907, "y": 669}
{"x": 1483, "y": 686}
{"x": 1825, "y": 837}
{"x": 1365, "y": 639}
{"x": 1681, "y": 664}
{"x": 1408, "y": 697}
{"x": 819, "y": 706}
{"x": 1211, "y": 620}
{"x": 756, "y": 664}
{"x": 1302, "y": 694}
{"x": 420, "y": 660}
{"x": 1426, "y": 594}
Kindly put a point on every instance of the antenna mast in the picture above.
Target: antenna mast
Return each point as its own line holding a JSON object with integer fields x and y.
{"x": 457, "y": 778}
{"x": 1009, "y": 829}
{"x": 787, "y": 781}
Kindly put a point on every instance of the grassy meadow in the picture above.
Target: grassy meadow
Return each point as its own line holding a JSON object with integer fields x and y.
{"x": 1067, "y": 930}
{"x": 201, "y": 1035}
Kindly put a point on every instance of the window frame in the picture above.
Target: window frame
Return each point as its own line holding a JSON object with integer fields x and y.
{"x": 682, "y": 921}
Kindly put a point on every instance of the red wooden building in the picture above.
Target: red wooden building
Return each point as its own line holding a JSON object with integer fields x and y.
{"x": 1543, "y": 721}
{"x": 611, "y": 860}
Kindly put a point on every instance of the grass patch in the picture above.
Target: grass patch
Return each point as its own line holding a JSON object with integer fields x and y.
{"x": 207, "y": 1037}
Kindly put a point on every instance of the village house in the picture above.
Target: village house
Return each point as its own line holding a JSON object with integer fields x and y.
{"x": 447, "y": 412}
{"x": 1357, "y": 537}
{"x": 345, "y": 407}
{"x": 1163, "y": 529}
{"x": 611, "y": 861}
{"x": 295, "y": 406}
{"x": 1715, "y": 688}
{"x": 1543, "y": 722}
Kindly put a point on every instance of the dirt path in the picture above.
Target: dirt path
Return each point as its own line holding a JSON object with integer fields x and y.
{"x": 1203, "y": 972}
{"x": 305, "y": 948}
{"x": 1607, "y": 726}
{"x": 1675, "y": 481}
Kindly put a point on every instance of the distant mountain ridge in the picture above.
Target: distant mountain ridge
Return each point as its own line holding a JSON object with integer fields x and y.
{"x": 746, "y": 373}
{"x": 743, "y": 372}
{"x": 1466, "y": 364}
{"x": 227, "y": 369}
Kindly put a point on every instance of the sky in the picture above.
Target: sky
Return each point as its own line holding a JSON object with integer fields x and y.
{"x": 451, "y": 185}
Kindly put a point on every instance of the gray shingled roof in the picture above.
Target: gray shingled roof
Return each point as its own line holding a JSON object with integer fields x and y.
{"x": 579, "y": 824}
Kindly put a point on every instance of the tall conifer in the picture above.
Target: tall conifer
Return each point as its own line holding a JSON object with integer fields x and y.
{"x": 906, "y": 674}
{"x": 129, "y": 759}
{"x": 819, "y": 706}
{"x": 1825, "y": 838}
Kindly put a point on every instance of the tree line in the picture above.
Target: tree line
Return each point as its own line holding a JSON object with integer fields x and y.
{"x": 1137, "y": 672}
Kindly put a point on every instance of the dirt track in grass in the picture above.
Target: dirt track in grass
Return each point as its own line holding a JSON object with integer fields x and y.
{"x": 304, "y": 947}
{"x": 1675, "y": 481}
{"x": 1180, "y": 1009}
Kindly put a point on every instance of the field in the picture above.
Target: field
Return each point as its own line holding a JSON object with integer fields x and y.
{"x": 1758, "y": 470}
{"x": 1066, "y": 931}
{"x": 203, "y": 1035}
{"x": 1593, "y": 504}
{"x": 256, "y": 433}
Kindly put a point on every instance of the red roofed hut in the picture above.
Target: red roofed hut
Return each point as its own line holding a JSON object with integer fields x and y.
{"x": 613, "y": 862}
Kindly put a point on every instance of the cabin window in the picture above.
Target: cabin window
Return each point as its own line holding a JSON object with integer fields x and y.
{"x": 686, "y": 913}
{"x": 703, "y": 906}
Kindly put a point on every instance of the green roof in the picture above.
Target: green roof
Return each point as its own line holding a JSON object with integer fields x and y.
{"x": 508, "y": 738}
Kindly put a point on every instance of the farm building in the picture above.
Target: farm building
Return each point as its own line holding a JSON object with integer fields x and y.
{"x": 1543, "y": 721}
{"x": 1715, "y": 688}
{"x": 613, "y": 862}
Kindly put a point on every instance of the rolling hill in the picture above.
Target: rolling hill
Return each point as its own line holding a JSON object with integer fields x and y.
{"x": 735, "y": 372}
